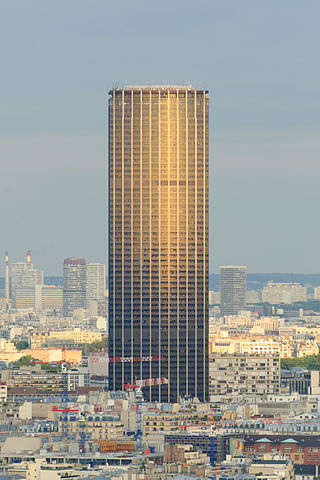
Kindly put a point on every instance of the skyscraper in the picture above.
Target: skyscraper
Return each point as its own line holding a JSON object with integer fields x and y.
{"x": 74, "y": 285}
{"x": 233, "y": 289}
{"x": 158, "y": 238}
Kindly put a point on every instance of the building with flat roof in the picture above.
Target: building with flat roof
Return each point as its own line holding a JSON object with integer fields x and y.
{"x": 24, "y": 278}
{"x": 276, "y": 293}
{"x": 95, "y": 281}
{"x": 242, "y": 375}
{"x": 158, "y": 238}
{"x": 233, "y": 289}
{"x": 74, "y": 285}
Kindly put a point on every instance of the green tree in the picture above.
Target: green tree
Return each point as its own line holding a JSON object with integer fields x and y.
{"x": 100, "y": 346}
{"x": 311, "y": 362}
{"x": 25, "y": 360}
{"x": 21, "y": 344}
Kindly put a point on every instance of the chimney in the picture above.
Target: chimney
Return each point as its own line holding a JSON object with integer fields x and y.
{"x": 7, "y": 277}
{"x": 28, "y": 257}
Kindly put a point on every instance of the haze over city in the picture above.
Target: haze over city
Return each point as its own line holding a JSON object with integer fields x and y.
{"x": 257, "y": 59}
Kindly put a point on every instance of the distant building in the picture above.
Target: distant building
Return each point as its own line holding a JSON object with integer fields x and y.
{"x": 241, "y": 374}
{"x": 48, "y": 297}
{"x": 74, "y": 285}
{"x": 95, "y": 281}
{"x": 23, "y": 280}
{"x": 276, "y": 293}
{"x": 76, "y": 336}
{"x": 253, "y": 296}
{"x": 316, "y": 293}
{"x": 214, "y": 298}
{"x": 233, "y": 289}
{"x": 24, "y": 298}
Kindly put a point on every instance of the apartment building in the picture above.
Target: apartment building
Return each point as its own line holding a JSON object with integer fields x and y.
{"x": 97, "y": 427}
{"x": 240, "y": 374}
{"x": 160, "y": 422}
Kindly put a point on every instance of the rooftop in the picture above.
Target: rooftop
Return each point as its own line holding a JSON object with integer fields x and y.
{"x": 157, "y": 87}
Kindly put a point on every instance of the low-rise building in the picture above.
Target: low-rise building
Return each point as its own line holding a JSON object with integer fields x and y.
{"x": 76, "y": 336}
{"x": 300, "y": 449}
{"x": 272, "y": 469}
{"x": 160, "y": 422}
{"x": 95, "y": 427}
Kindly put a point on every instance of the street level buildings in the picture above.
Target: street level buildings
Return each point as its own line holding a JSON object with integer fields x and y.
{"x": 233, "y": 289}
{"x": 158, "y": 238}
{"x": 74, "y": 285}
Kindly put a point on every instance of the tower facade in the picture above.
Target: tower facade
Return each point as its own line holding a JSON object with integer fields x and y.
{"x": 74, "y": 285}
{"x": 233, "y": 289}
{"x": 158, "y": 239}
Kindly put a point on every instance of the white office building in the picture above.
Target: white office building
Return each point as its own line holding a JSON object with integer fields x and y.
{"x": 95, "y": 281}
{"x": 23, "y": 280}
{"x": 48, "y": 297}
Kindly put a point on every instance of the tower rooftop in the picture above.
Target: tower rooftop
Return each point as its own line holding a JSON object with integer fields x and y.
{"x": 158, "y": 87}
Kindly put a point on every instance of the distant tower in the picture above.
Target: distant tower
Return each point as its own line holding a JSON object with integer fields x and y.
{"x": 74, "y": 285}
{"x": 96, "y": 281}
{"x": 7, "y": 279}
{"x": 233, "y": 289}
{"x": 24, "y": 278}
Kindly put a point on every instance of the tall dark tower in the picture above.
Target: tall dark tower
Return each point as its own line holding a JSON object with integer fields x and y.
{"x": 158, "y": 238}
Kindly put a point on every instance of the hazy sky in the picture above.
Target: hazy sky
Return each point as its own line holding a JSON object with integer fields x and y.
{"x": 259, "y": 60}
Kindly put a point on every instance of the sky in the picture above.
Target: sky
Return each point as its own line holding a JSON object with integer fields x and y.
{"x": 260, "y": 62}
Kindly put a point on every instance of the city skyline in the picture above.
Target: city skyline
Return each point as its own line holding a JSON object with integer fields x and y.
{"x": 264, "y": 131}
{"x": 146, "y": 146}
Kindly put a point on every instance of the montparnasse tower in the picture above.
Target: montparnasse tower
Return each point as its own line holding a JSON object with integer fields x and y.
{"x": 158, "y": 239}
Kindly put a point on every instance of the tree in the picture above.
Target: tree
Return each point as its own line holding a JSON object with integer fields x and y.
{"x": 25, "y": 360}
{"x": 100, "y": 346}
{"x": 21, "y": 344}
{"x": 311, "y": 362}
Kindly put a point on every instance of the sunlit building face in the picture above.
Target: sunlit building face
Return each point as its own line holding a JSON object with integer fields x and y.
{"x": 158, "y": 239}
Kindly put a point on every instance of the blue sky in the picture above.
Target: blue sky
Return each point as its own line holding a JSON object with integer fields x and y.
{"x": 260, "y": 62}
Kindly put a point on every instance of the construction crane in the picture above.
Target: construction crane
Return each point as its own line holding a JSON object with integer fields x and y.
{"x": 137, "y": 388}
{"x": 146, "y": 383}
{"x": 152, "y": 358}
{"x": 65, "y": 396}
